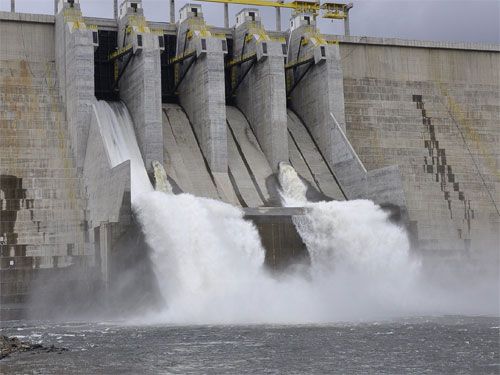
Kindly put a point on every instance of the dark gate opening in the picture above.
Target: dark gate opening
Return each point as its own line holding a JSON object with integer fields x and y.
{"x": 167, "y": 71}
{"x": 103, "y": 69}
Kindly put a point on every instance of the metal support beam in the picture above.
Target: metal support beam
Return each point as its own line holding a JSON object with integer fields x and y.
{"x": 297, "y": 81}
{"x": 120, "y": 53}
{"x": 299, "y": 63}
{"x": 181, "y": 58}
{"x": 172, "y": 11}
{"x": 242, "y": 77}
{"x": 241, "y": 60}
{"x": 297, "y": 5}
{"x": 122, "y": 71}
{"x": 12, "y": 6}
{"x": 184, "y": 74}
{"x": 226, "y": 15}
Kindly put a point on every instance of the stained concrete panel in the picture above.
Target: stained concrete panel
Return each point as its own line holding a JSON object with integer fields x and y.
{"x": 257, "y": 163}
{"x": 311, "y": 161}
{"x": 449, "y": 133}
{"x": 185, "y": 155}
{"x": 31, "y": 41}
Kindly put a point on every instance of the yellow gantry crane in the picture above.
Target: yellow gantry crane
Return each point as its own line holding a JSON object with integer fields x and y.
{"x": 328, "y": 10}
{"x": 336, "y": 11}
{"x": 295, "y": 5}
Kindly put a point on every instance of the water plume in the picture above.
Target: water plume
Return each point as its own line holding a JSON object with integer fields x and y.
{"x": 209, "y": 261}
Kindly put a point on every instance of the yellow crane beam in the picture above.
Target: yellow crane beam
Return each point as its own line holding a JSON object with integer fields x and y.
{"x": 296, "y": 5}
{"x": 330, "y": 10}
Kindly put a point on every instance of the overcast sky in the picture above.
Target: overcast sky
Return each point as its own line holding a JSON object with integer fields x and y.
{"x": 446, "y": 20}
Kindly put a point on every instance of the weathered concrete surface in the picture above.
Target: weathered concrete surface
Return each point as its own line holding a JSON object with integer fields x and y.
{"x": 75, "y": 72}
{"x": 252, "y": 173}
{"x": 446, "y": 140}
{"x": 41, "y": 204}
{"x": 183, "y": 159}
{"x": 261, "y": 96}
{"x": 283, "y": 245}
{"x": 251, "y": 179}
{"x": 308, "y": 161}
{"x": 140, "y": 86}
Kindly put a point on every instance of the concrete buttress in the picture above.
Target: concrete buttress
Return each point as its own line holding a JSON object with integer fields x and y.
{"x": 75, "y": 71}
{"x": 259, "y": 84}
{"x": 201, "y": 91}
{"x": 140, "y": 86}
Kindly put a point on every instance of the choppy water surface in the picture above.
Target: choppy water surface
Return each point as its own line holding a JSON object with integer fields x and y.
{"x": 458, "y": 345}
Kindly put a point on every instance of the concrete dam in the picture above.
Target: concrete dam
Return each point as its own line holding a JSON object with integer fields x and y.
{"x": 413, "y": 126}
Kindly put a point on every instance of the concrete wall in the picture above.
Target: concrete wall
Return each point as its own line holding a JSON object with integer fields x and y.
{"x": 41, "y": 203}
{"x": 27, "y": 37}
{"x": 445, "y": 140}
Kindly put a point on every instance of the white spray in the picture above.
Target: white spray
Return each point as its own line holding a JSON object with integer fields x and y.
{"x": 117, "y": 131}
{"x": 209, "y": 260}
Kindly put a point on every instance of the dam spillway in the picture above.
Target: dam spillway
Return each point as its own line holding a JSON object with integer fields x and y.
{"x": 420, "y": 120}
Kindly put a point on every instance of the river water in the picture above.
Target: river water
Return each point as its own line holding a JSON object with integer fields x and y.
{"x": 439, "y": 345}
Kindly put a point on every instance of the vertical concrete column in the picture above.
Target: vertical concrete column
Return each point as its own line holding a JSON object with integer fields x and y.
{"x": 321, "y": 90}
{"x": 261, "y": 95}
{"x": 278, "y": 19}
{"x": 104, "y": 247}
{"x": 140, "y": 84}
{"x": 115, "y": 9}
{"x": 12, "y": 6}
{"x": 202, "y": 89}
{"x": 75, "y": 72}
{"x": 172, "y": 11}
{"x": 347, "y": 30}
{"x": 226, "y": 15}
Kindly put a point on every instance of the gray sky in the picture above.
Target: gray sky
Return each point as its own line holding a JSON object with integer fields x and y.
{"x": 446, "y": 20}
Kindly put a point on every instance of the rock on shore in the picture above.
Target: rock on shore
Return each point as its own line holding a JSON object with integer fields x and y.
{"x": 9, "y": 345}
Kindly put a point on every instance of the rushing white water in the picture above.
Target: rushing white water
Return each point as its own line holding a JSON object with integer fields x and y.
{"x": 209, "y": 261}
{"x": 117, "y": 131}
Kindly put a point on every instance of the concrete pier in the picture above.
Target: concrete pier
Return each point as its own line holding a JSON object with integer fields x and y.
{"x": 284, "y": 246}
{"x": 74, "y": 47}
{"x": 139, "y": 85}
{"x": 201, "y": 91}
{"x": 259, "y": 84}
